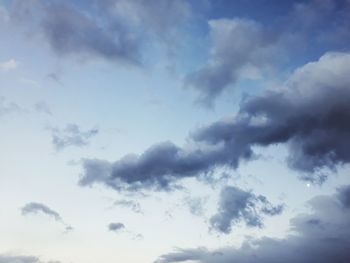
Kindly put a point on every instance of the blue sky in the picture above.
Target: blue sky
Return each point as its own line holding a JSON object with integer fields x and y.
{"x": 174, "y": 131}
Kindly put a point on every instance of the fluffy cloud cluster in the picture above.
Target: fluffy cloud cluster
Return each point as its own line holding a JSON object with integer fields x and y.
{"x": 310, "y": 114}
{"x": 322, "y": 236}
{"x": 243, "y": 47}
{"x": 72, "y": 136}
{"x": 236, "y": 205}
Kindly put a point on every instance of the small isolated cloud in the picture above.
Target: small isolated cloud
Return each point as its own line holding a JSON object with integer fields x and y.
{"x": 133, "y": 205}
{"x": 55, "y": 76}
{"x": 237, "y": 205}
{"x": 42, "y": 107}
{"x": 321, "y": 236}
{"x": 116, "y": 227}
{"x": 39, "y": 208}
{"x": 195, "y": 205}
{"x": 35, "y": 208}
{"x": 72, "y": 135}
{"x": 8, "y": 107}
{"x": 8, "y": 65}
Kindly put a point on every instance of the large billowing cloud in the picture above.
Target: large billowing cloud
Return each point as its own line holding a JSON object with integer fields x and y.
{"x": 322, "y": 236}
{"x": 236, "y": 205}
{"x": 111, "y": 29}
{"x": 243, "y": 47}
{"x": 310, "y": 114}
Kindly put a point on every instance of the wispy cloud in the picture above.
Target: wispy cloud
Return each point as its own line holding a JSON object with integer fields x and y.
{"x": 39, "y": 208}
{"x": 237, "y": 205}
{"x": 71, "y": 135}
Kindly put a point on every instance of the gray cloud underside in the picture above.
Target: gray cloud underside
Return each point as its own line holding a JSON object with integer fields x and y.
{"x": 242, "y": 45}
{"x": 322, "y": 236}
{"x": 310, "y": 114}
{"x": 237, "y": 205}
{"x": 72, "y": 135}
{"x": 111, "y": 29}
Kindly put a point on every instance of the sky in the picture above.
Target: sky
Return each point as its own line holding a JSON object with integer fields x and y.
{"x": 166, "y": 131}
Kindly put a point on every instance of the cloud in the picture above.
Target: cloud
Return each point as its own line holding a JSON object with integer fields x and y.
{"x": 316, "y": 137}
{"x": 116, "y": 227}
{"x": 10, "y": 258}
{"x": 236, "y": 205}
{"x": 37, "y": 208}
{"x": 157, "y": 167}
{"x": 18, "y": 259}
{"x": 72, "y": 136}
{"x": 133, "y": 205}
{"x": 8, "y": 107}
{"x": 9, "y": 65}
{"x": 114, "y": 30}
{"x": 247, "y": 48}
{"x": 196, "y": 205}
{"x": 322, "y": 236}
{"x": 236, "y": 43}
{"x": 42, "y": 107}
{"x": 344, "y": 196}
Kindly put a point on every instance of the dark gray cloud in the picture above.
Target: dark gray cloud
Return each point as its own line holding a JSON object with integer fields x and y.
{"x": 133, "y": 205}
{"x": 317, "y": 136}
{"x": 248, "y": 48}
{"x": 322, "y": 236}
{"x": 72, "y": 135}
{"x": 112, "y": 29}
{"x": 237, "y": 205}
{"x": 116, "y": 227}
{"x": 157, "y": 167}
{"x": 39, "y": 208}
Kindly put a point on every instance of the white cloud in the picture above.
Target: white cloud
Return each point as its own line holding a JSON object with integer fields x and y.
{"x": 9, "y": 65}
